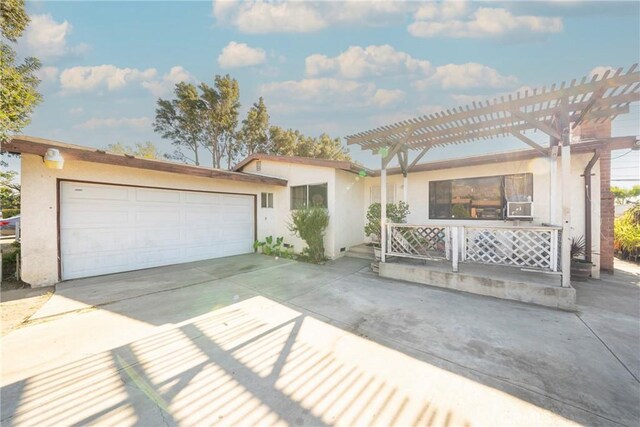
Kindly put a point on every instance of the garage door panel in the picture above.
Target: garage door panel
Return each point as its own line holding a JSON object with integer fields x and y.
{"x": 160, "y": 196}
{"x": 79, "y": 241}
{"x": 95, "y": 192}
{"x": 106, "y": 229}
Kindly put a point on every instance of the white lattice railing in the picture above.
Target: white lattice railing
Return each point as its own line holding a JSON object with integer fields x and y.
{"x": 528, "y": 247}
{"x": 418, "y": 241}
{"x": 523, "y": 246}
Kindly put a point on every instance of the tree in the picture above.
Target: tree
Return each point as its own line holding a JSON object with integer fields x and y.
{"x": 180, "y": 120}
{"x": 624, "y": 195}
{"x": 18, "y": 82}
{"x": 330, "y": 148}
{"x": 146, "y": 150}
{"x": 220, "y": 112}
{"x": 292, "y": 143}
{"x": 254, "y": 132}
{"x": 9, "y": 190}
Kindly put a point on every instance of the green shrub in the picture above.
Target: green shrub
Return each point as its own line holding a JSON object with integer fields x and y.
{"x": 309, "y": 224}
{"x": 627, "y": 232}
{"x": 8, "y": 213}
{"x": 10, "y": 261}
{"x": 273, "y": 247}
{"x": 396, "y": 213}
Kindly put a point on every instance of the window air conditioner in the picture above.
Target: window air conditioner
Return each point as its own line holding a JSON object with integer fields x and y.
{"x": 519, "y": 209}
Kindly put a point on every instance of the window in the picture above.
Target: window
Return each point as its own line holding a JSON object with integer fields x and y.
{"x": 258, "y": 165}
{"x": 309, "y": 195}
{"x": 266, "y": 200}
{"x": 478, "y": 198}
{"x": 374, "y": 196}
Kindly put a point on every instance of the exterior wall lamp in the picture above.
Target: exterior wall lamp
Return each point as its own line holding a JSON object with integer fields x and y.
{"x": 53, "y": 159}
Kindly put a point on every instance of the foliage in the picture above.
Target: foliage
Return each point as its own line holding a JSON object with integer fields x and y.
{"x": 220, "y": 117}
{"x": 9, "y": 191}
{"x": 624, "y": 195}
{"x": 396, "y": 213}
{"x": 254, "y": 129}
{"x": 578, "y": 247}
{"x": 10, "y": 261}
{"x": 627, "y": 232}
{"x": 146, "y": 150}
{"x": 292, "y": 143}
{"x": 310, "y": 224}
{"x": 18, "y": 82}
{"x": 275, "y": 248}
{"x": 179, "y": 120}
{"x": 10, "y": 213}
{"x": 459, "y": 211}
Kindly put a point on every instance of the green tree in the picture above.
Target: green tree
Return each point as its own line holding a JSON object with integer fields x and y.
{"x": 624, "y": 195}
{"x": 9, "y": 190}
{"x": 254, "y": 133}
{"x": 146, "y": 150}
{"x": 18, "y": 82}
{"x": 330, "y": 148}
{"x": 292, "y": 143}
{"x": 220, "y": 112}
{"x": 180, "y": 120}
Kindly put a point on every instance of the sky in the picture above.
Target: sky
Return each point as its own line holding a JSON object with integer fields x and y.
{"x": 333, "y": 67}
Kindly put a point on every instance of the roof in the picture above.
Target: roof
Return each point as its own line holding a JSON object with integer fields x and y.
{"x": 39, "y": 146}
{"x": 327, "y": 163}
{"x": 547, "y": 109}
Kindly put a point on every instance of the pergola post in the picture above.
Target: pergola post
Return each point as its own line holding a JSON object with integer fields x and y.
{"x": 553, "y": 181}
{"x": 566, "y": 206}
{"x": 383, "y": 211}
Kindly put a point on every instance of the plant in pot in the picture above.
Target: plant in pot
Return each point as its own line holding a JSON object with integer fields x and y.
{"x": 396, "y": 213}
{"x": 580, "y": 268}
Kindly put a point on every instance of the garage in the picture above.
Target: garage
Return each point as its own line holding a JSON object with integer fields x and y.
{"x": 113, "y": 228}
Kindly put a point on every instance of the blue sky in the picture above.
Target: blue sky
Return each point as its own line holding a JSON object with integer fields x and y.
{"x": 335, "y": 67}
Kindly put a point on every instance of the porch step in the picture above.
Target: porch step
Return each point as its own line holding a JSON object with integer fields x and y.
{"x": 360, "y": 251}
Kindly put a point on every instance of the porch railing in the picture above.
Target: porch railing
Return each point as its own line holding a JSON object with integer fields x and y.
{"x": 535, "y": 247}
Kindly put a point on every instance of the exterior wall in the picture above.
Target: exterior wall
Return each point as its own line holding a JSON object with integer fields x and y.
{"x": 279, "y": 217}
{"x": 39, "y": 263}
{"x": 349, "y": 224}
{"x": 418, "y": 193}
{"x": 607, "y": 212}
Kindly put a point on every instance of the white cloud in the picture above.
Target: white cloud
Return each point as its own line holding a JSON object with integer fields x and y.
{"x": 164, "y": 85}
{"x": 76, "y": 111}
{"x": 600, "y": 70}
{"x": 357, "y": 62}
{"x": 139, "y": 123}
{"x": 83, "y": 79}
{"x": 47, "y": 39}
{"x": 454, "y": 19}
{"x": 304, "y": 17}
{"x": 466, "y": 99}
{"x": 236, "y": 55}
{"x": 48, "y": 74}
{"x": 467, "y": 75}
{"x": 387, "y": 98}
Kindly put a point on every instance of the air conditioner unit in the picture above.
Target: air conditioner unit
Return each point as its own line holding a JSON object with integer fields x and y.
{"x": 519, "y": 210}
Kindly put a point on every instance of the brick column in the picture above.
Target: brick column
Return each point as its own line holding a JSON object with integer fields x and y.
{"x": 607, "y": 213}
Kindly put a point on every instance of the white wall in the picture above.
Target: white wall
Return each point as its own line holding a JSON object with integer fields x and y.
{"x": 349, "y": 224}
{"x": 39, "y": 204}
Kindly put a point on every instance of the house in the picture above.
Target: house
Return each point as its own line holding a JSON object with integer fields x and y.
{"x": 87, "y": 212}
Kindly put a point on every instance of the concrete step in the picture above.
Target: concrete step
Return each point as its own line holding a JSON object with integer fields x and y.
{"x": 360, "y": 251}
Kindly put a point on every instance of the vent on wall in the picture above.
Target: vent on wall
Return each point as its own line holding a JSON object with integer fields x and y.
{"x": 258, "y": 166}
{"x": 343, "y": 249}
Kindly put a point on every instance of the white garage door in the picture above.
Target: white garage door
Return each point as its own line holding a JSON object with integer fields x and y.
{"x": 106, "y": 228}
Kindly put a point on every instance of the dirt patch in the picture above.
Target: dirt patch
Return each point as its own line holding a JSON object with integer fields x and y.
{"x": 18, "y": 305}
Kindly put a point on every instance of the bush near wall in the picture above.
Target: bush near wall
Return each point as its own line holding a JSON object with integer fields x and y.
{"x": 8, "y": 213}
{"x": 627, "y": 234}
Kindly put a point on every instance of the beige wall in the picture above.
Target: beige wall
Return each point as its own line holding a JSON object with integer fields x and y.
{"x": 39, "y": 204}
{"x": 349, "y": 225}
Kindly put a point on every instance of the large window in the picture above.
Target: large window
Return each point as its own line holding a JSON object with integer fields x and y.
{"x": 309, "y": 195}
{"x": 478, "y": 198}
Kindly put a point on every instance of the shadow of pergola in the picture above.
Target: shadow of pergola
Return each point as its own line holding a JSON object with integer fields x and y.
{"x": 233, "y": 367}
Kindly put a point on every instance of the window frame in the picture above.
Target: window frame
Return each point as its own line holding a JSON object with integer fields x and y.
{"x": 503, "y": 198}
{"x": 307, "y": 193}
{"x": 268, "y": 198}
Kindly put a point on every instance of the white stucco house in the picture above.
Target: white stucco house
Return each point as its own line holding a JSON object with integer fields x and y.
{"x": 87, "y": 212}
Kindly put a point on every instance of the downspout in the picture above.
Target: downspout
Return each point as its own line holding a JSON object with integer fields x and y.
{"x": 587, "y": 206}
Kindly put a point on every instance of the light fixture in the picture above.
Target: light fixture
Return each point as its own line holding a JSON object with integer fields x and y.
{"x": 53, "y": 159}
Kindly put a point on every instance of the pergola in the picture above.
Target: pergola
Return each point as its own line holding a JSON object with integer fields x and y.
{"x": 555, "y": 111}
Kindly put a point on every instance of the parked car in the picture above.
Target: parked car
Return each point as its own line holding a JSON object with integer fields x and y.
{"x": 8, "y": 226}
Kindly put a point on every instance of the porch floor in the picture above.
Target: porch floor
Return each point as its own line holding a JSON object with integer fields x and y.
{"x": 496, "y": 281}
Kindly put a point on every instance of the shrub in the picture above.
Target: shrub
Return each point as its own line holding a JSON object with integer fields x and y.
{"x": 309, "y": 224}
{"x": 627, "y": 232}
{"x": 396, "y": 213}
{"x": 273, "y": 247}
{"x": 8, "y": 213}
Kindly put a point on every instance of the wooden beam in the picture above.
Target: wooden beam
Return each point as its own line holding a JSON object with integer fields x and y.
{"x": 535, "y": 123}
{"x": 417, "y": 159}
{"x": 529, "y": 142}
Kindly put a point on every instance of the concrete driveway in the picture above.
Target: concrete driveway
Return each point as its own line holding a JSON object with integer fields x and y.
{"x": 257, "y": 340}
